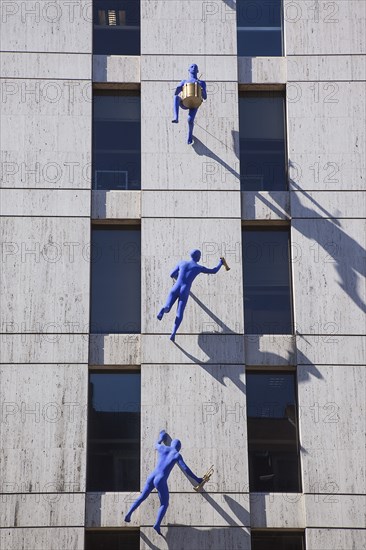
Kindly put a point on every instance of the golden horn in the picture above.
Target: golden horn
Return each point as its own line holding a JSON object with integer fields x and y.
{"x": 206, "y": 478}
{"x": 225, "y": 264}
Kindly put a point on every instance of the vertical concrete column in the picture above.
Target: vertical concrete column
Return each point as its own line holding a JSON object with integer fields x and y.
{"x": 45, "y": 232}
{"x": 326, "y": 110}
{"x": 195, "y": 388}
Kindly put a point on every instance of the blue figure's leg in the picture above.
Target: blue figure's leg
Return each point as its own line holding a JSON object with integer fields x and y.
{"x": 191, "y": 116}
{"x": 163, "y": 491}
{"x": 176, "y": 108}
{"x": 173, "y": 296}
{"x": 179, "y": 318}
{"x": 149, "y": 486}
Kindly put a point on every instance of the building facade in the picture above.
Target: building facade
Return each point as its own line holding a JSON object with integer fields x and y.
{"x": 101, "y": 197}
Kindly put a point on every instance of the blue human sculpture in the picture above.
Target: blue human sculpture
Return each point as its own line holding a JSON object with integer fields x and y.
{"x": 193, "y": 72}
{"x": 169, "y": 456}
{"x": 184, "y": 273}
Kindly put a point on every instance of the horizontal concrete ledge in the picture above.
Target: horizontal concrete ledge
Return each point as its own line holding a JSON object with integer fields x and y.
{"x": 199, "y": 348}
{"x": 265, "y": 205}
{"x": 44, "y": 202}
{"x": 262, "y": 70}
{"x": 277, "y": 510}
{"x": 116, "y": 69}
{"x": 326, "y": 68}
{"x": 116, "y": 205}
{"x": 52, "y": 538}
{"x": 215, "y": 69}
{"x": 204, "y": 509}
{"x": 42, "y": 510}
{"x": 45, "y": 65}
{"x": 114, "y": 349}
{"x": 179, "y": 204}
{"x": 275, "y": 350}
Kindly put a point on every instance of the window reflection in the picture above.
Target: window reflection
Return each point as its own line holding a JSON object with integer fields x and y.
{"x": 116, "y": 140}
{"x": 262, "y": 141}
{"x": 116, "y": 280}
{"x": 114, "y": 431}
{"x": 266, "y": 274}
{"x": 277, "y": 540}
{"x": 259, "y": 28}
{"x": 112, "y": 540}
{"x": 116, "y": 27}
{"x": 272, "y": 432}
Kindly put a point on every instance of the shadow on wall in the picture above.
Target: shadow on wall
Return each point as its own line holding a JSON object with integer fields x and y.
{"x": 189, "y": 538}
{"x": 202, "y": 150}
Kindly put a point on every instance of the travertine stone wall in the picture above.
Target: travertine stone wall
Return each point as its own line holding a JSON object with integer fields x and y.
{"x": 45, "y": 140}
{"x": 326, "y": 143}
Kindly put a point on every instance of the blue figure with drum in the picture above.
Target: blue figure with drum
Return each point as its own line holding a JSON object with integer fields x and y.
{"x": 193, "y": 93}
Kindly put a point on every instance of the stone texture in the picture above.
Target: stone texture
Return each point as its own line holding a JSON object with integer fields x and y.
{"x": 116, "y": 205}
{"x": 192, "y": 538}
{"x": 328, "y": 261}
{"x": 45, "y": 281}
{"x": 40, "y": 202}
{"x": 114, "y": 349}
{"x": 334, "y": 28}
{"x": 179, "y": 204}
{"x": 265, "y": 205}
{"x": 43, "y": 429}
{"x": 42, "y": 539}
{"x": 116, "y": 68}
{"x": 262, "y": 70}
{"x": 270, "y": 351}
{"x": 332, "y": 426}
{"x": 277, "y": 510}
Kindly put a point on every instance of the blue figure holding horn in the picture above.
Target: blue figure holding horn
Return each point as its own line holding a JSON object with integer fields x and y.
{"x": 193, "y": 92}
{"x": 185, "y": 273}
{"x": 169, "y": 456}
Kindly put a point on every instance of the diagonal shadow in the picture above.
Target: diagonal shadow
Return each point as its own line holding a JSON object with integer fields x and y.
{"x": 334, "y": 241}
{"x": 201, "y": 149}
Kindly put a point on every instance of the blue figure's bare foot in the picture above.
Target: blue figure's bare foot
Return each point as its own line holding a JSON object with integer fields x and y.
{"x": 160, "y": 315}
{"x": 157, "y": 529}
{"x": 175, "y": 121}
{"x": 172, "y": 337}
{"x": 190, "y": 141}
{"x": 127, "y": 518}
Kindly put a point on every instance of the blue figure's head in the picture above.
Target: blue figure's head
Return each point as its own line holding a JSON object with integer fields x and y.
{"x": 193, "y": 70}
{"x": 196, "y": 255}
{"x": 176, "y": 444}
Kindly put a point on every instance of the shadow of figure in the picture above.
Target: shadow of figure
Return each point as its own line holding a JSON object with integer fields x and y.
{"x": 347, "y": 266}
{"x": 209, "y": 344}
{"x": 202, "y": 150}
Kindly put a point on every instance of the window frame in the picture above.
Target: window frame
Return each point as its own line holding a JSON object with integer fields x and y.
{"x": 274, "y": 91}
{"x": 282, "y": 35}
{"x": 128, "y": 90}
{"x": 116, "y": 370}
{"x": 272, "y": 227}
{"x": 96, "y": 26}
{"x": 262, "y": 371}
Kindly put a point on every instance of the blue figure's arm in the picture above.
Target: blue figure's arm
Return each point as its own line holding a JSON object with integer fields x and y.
{"x": 204, "y": 91}
{"x": 174, "y": 273}
{"x": 179, "y": 88}
{"x": 213, "y": 270}
{"x": 187, "y": 470}
{"x": 162, "y": 437}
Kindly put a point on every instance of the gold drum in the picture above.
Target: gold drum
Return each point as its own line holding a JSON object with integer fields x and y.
{"x": 192, "y": 95}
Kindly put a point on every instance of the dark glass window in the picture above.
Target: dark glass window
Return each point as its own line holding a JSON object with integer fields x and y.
{"x": 262, "y": 141}
{"x": 116, "y": 27}
{"x": 274, "y": 464}
{"x": 259, "y": 28}
{"x": 267, "y": 287}
{"x": 112, "y": 540}
{"x": 277, "y": 540}
{"x": 116, "y": 280}
{"x": 114, "y": 431}
{"x": 116, "y": 140}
